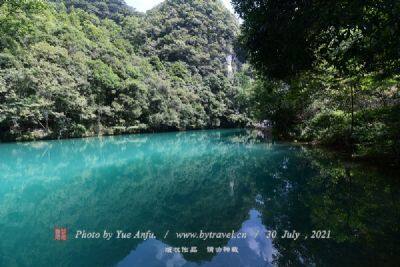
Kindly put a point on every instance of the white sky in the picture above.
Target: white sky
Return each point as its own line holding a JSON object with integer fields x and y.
{"x": 144, "y": 5}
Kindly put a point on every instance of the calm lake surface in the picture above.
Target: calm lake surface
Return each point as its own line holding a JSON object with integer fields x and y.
{"x": 210, "y": 181}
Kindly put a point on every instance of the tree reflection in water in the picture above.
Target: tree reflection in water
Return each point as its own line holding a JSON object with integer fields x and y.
{"x": 187, "y": 182}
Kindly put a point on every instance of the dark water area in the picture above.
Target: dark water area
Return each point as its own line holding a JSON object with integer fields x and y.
{"x": 220, "y": 181}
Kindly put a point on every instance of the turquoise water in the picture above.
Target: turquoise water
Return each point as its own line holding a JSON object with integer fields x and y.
{"x": 210, "y": 181}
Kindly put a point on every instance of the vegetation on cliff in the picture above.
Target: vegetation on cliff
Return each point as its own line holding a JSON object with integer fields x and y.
{"x": 80, "y": 68}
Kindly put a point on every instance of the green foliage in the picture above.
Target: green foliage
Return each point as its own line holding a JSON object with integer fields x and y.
{"x": 79, "y": 68}
{"x": 377, "y": 131}
{"x": 329, "y": 70}
{"x": 112, "y": 9}
{"x": 284, "y": 38}
{"x": 331, "y": 127}
{"x": 200, "y": 33}
{"x": 16, "y": 20}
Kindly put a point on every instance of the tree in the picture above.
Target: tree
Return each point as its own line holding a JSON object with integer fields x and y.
{"x": 285, "y": 38}
{"x": 79, "y": 68}
{"x": 330, "y": 58}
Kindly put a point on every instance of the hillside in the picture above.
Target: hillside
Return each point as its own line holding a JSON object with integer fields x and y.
{"x": 112, "y": 9}
{"x": 69, "y": 70}
{"x": 198, "y": 33}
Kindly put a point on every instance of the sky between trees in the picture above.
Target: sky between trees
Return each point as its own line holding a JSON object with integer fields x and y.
{"x": 144, "y": 5}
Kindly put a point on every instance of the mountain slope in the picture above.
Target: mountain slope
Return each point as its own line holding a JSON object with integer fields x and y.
{"x": 65, "y": 72}
{"x": 199, "y": 33}
{"x": 112, "y": 9}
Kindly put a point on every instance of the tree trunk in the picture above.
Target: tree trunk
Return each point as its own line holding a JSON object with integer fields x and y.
{"x": 352, "y": 114}
{"x": 46, "y": 115}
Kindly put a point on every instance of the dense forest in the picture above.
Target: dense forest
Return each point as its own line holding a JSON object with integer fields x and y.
{"x": 81, "y": 68}
{"x": 321, "y": 71}
{"x": 328, "y": 71}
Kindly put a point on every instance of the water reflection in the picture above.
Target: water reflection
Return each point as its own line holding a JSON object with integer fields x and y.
{"x": 255, "y": 250}
{"x": 184, "y": 182}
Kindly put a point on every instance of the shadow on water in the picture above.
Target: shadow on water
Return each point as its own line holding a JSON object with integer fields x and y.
{"x": 215, "y": 181}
